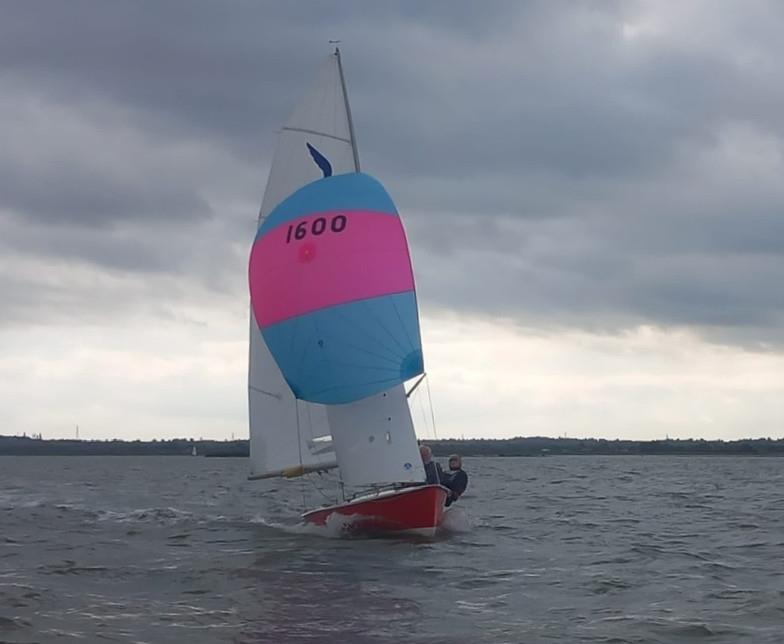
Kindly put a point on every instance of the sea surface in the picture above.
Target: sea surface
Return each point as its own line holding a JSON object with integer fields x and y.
{"x": 555, "y": 549}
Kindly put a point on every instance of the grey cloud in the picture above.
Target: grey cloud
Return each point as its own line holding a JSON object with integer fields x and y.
{"x": 548, "y": 168}
{"x": 66, "y": 193}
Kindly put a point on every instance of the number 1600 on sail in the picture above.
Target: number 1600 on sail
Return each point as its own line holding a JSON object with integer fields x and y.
{"x": 318, "y": 226}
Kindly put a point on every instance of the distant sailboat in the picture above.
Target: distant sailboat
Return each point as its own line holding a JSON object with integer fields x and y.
{"x": 334, "y": 328}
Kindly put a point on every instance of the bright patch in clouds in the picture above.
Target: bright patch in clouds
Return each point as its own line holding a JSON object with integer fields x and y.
{"x": 181, "y": 378}
{"x": 494, "y": 379}
{"x": 149, "y": 379}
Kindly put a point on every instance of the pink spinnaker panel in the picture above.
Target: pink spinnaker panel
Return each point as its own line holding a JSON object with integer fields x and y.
{"x": 368, "y": 258}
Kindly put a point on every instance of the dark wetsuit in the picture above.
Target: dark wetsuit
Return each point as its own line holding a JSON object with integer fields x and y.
{"x": 433, "y": 472}
{"x": 457, "y": 482}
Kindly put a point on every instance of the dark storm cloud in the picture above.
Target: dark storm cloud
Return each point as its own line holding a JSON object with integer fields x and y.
{"x": 556, "y": 163}
{"x": 198, "y": 69}
{"x": 80, "y": 195}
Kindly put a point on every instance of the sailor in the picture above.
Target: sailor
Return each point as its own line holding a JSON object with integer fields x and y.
{"x": 433, "y": 471}
{"x": 455, "y": 479}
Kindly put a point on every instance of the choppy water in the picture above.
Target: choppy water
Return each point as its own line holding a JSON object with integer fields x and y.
{"x": 569, "y": 549}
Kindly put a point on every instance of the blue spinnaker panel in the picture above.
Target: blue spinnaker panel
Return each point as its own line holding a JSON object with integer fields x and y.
{"x": 350, "y": 351}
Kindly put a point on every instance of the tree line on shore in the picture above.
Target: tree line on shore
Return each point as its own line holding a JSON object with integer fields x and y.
{"x": 520, "y": 446}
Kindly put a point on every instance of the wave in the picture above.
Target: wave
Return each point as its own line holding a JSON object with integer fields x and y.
{"x": 336, "y": 527}
{"x": 166, "y": 516}
{"x": 456, "y": 521}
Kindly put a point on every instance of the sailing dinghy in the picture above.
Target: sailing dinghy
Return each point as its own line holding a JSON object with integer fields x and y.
{"x": 334, "y": 327}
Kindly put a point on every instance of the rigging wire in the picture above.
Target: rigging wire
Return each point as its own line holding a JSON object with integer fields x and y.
{"x": 299, "y": 449}
{"x": 319, "y": 490}
{"x": 309, "y": 476}
{"x": 423, "y": 413}
{"x": 432, "y": 412}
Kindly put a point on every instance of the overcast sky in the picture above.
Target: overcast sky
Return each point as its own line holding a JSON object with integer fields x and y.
{"x": 593, "y": 193}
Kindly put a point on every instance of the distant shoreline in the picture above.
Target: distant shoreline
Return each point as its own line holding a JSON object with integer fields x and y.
{"x": 532, "y": 446}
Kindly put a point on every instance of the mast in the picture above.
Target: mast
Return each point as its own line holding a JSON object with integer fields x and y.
{"x": 348, "y": 111}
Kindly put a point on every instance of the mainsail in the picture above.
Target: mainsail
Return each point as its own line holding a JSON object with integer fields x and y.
{"x": 287, "y": 435}
{"x": 334, "y": 328}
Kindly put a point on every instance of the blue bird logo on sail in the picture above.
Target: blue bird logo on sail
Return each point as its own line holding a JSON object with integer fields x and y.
{"x": 321, "y": 161}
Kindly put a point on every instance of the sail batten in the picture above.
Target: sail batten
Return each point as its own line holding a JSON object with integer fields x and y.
{"x": 266, "y": 393}
{"x": 317, "y": 133}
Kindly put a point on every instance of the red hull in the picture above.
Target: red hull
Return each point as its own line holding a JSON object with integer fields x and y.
{"x": 416, "y": 510}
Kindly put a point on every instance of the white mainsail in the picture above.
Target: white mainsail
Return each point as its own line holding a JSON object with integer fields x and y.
{"x": 373, "y": 439}
{"x": 286, "y": 434}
